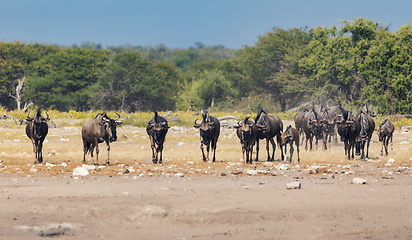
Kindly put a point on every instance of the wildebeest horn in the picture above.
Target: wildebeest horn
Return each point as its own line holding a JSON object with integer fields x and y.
{"x": 48, "y": 118}
{"x": 118, "y": 116}
{"x": 196, "y": 125}
{"x": 350, "y": 122}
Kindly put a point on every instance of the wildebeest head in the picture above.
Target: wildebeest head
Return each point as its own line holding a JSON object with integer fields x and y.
{"x": 328, "y": 122}
{"x": 110, "y": 126}
{"x": 245, "y": 127}
{"x": 159, "y": 126}
{"x": 205, "y": 128}
{"x": 262, "y": 123}
{"x": 39, "y": 124}
{"x": 286, "y": 136}
{"x": 317, "y": 124}
{"x": 344, "y": 127}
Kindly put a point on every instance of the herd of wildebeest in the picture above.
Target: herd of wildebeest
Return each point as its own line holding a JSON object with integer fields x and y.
{"x": 355, "y": 131}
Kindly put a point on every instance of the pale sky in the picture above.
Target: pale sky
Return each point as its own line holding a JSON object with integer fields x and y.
{"x": 181, "y": 23}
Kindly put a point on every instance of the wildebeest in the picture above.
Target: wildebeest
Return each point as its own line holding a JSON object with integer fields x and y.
{"x": 209, "y": 130}
{"x": 36, "y": 130}
{"x": 268, "y": 127}
{"x": 367, "y": 127}
{"x": 329, "y": 125}
{"x": 348, "y": 129}
{"x": 333, "y": 112}
{"x": 291, "y": 135}
{"x": 299, "y": 122}
{"x": 97, "y": 130}
{"x": 157, "y": 128}
{"x": 312, "y": 126}
{"x": 247, "y": 133}
{"x": 385, "y": 133}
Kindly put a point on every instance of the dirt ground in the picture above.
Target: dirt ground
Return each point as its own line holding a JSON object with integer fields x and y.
{"x": 187, "y": 199}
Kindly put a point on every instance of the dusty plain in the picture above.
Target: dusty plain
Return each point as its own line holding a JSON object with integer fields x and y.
{"x": 185, "y": 198}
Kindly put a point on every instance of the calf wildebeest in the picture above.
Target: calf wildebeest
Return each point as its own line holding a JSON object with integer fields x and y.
{"x": 299, "y": 122}
{"x": 367, "y": 127}
{"x": 97, "y": 130}
{"x": 36, "y": 130}
{"x": 268, "y": 127}
{"x": 385, "y": 133}
{"x": 291, "y": 135}
{"x": 247, "y": 133}
{"x": 312, "y": 125}
{"x": 157, "y": 128}
{"x": 209, "y": 130}
{"x": 348, "y": 129}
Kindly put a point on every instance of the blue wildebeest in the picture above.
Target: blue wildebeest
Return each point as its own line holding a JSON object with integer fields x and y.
{"x": 209, "y": 130}
{"x": 299, "y": 122}
{"x": 36, "y": 130}
{"x": 98, "y": 130}
{"x": 290, "y": 136}
{"x": 367, "y": 127}
{"x": 247, "y": 133}
{"x": 385, "y": 133}
{"x": 157, "y": 129}
{"x": 268, "y": 127}
{"x": 348, "y": 129}
{"x": 312, "y": 125}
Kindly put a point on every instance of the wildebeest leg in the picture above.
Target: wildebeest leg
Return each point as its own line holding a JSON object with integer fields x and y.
{"x": 39, "y": 152}
{"x": 291, "y": 151}
{"x": 367, "y": 148}
{"x": 86, "y": 147}
{"x": 257, "y": 149}
{"x": 97, "y": 152}
{"x": 310, "y": 142}
{"x": 279, "y": 140}
{"x": 391, "y": 144}
{"x": 268, "y": 148}
{"x": 108, "y": 152}
{"x": 160, "y": 150}
{"x": 244, "y": 153}
{"x": 203, "y": 152}
{"x": 297, "y": 148}
{"x": 214, "y": 145}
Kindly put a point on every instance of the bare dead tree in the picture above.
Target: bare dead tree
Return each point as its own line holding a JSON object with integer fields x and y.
{"x": 17, "y": 97}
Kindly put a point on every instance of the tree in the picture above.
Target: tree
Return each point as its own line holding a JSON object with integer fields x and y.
{"x": 62, "y": 80}
{"x": 131, "y": 83}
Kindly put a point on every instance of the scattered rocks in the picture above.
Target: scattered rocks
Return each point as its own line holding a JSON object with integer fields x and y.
{"x": 360, "y": 181}
{"x": 251, "y": 172}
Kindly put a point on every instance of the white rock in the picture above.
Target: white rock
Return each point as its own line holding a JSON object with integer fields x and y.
{"x": 64, "y": 164}
{"x": 267, "y": 164}
{"x": 388, "y": 165}
{"x": 33, "y": 170}
{"x": 54, "y": 229}
{"x": 50, "y": 165}
{"x": 293, "y": 185}
{"x": 391, "y": 160}
{"x": 179, "y": 175}
{"x": 80, "y": 171}
{"x": 251, "y": 172}
{"x": 180, "y": 143}
{"x": 190, "y": 163}
{"x": 360, "y": 181}
{"x": 284, "y": 167}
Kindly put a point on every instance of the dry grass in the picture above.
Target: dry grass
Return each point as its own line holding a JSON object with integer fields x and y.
{"x": 64, "y": 144}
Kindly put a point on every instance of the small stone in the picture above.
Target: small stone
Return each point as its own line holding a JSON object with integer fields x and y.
{"x": 267, "y": 164}
{"x": 33, "y": 170}
{"x": 179, "y": 175}
{"x": 251, "y": 172}
{"x": 80, "y": 171}
{"x": 360, "y": 181}
{"x": 293, "y": 185}
{"x": 391, "y": 160}
{"x": 388, "y": 165}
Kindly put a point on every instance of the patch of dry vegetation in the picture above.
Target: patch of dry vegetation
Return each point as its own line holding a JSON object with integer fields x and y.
{"x": 182, "y": 150}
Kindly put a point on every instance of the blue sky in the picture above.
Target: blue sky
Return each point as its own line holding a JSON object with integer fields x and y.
{"x": 181, "y": 23}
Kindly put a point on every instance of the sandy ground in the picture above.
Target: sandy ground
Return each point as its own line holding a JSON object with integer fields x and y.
{"x": 187, "y": 199}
